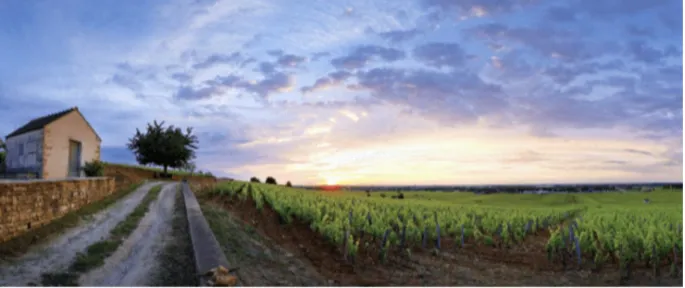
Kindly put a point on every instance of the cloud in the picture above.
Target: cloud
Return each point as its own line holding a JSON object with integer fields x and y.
{"x": 639, "y": 152}
{"x": 362, "y": 55}
{"x": 217, "y": 59}
{"x": 319, "y": 55}
{"x": 441, "y": 55}
{"x": 548, "y": 41}
{"x": 641, "y": 51}
{"x": 276, "y": 82}
{"x": 399, "y": 36}
{"x": 477, "y": 8}
{"x": 333, "y": 79}
{"x": 634, "y": 30}
{"x": 127, "y": 82}
{"x": 267, "y": 68}
{"x": 290, "y": 60}
{"x": 454, "y": 98}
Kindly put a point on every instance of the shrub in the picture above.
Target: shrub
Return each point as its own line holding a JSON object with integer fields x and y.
{"x": 162, "y": 175}
{"x": 382, "y": 195}
{"x": 271, "y": 180}
{"x": 94, "y": 168}
{"x": 400, "y": 196}
{"x": 255, "y": 180}
{"x": 288, "y": 184}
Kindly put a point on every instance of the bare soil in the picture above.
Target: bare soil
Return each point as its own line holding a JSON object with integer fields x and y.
{"x": 57, "y": 253}
{"x": 266, "y": 251}
{"x": 261, "y": 262}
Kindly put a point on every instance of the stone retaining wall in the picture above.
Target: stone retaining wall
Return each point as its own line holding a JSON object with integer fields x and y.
{"x": 26, "y": 205}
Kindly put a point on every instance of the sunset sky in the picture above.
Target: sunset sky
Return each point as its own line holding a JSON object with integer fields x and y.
{"x": 365, "y": 92}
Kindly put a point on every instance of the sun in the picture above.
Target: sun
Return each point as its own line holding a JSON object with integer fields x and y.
{"x": 331, "y": 181}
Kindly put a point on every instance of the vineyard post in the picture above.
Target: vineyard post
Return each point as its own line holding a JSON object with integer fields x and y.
{"x": 437, "y": 231}
{"x": 578, "y": 253}
{"x": 383, "y": 253}
{"x": 655, "y": 261}
{"x": 563, "y": 247}
{"x": 345, "y": 240}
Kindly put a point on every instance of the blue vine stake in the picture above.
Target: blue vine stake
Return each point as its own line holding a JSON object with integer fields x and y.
{"x": 462, "y": 235}
{"x": 437, "y": 231}
{"x": 578, "y": 252}
{"x": 347, "y": 237}
{"x": 655, "y": 261}
{"x": 404, "y": 236}
{"x": 424, "y": 237}
{"x": 382, "y": 253}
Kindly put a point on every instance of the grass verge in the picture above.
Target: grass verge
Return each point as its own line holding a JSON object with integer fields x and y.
{"x": 96, "y": 253}
{"x": 20, "y": 244}
{"x": 177, "y": 262}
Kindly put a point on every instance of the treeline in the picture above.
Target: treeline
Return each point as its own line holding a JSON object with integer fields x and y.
{"x": 269, "y": 180}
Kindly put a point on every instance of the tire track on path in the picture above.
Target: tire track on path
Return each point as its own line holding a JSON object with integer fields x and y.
{"x": 136, "y": 259}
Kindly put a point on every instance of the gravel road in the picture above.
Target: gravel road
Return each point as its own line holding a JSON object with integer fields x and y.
{"x": 58, "y": 253}
{"x": 136, "y": 259}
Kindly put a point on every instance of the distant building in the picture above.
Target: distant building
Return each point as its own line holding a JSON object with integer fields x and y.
{"x": 52, "y": 147}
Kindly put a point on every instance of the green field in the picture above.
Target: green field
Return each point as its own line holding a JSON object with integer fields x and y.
{"x": 659, "y": 197}
{"x": 609, "y": 226}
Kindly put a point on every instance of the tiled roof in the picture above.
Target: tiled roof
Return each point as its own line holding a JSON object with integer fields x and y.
{"x": 40, "y": 123}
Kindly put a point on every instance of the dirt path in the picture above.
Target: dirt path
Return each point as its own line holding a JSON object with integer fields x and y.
{"x": 59, "y": 252}
{"x": 136, "y": 259}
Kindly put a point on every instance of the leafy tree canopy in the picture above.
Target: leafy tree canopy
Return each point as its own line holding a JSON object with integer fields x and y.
{"x": 166, "y": 147}
{"x": 255, "y": 180}
{"x": 270, "y": 180}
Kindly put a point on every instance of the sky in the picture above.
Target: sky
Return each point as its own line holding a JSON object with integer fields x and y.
{"x": 365, "y": 92}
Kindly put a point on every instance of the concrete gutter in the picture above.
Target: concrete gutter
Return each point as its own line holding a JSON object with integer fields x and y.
{"x": 208, "y": 253}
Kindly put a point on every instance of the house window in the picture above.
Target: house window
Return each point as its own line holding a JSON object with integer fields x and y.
{"x": 20, "y": 149}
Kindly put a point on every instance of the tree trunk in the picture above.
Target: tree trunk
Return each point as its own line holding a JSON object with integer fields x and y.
{"x": 165, "y": 170}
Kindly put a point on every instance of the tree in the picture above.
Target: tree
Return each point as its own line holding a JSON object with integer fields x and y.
{"x": 189, "y": 167}
{"x": 288, "y": 184}
{"x": 255, "y": 180}
{"x": 270, "y": 180}
{"x": 166, "y": 147}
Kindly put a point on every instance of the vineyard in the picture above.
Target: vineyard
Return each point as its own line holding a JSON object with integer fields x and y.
{"x": 581, "y": 231}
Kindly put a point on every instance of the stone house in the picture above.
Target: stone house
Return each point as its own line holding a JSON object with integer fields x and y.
{"x": 52, "y": 147}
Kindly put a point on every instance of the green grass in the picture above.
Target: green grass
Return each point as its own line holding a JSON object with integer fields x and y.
{"x": 158, "y": 169}
{"x": 177, "y": 262}
{"x": 20, "y": 244}
{"x": 95, "y": 255}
